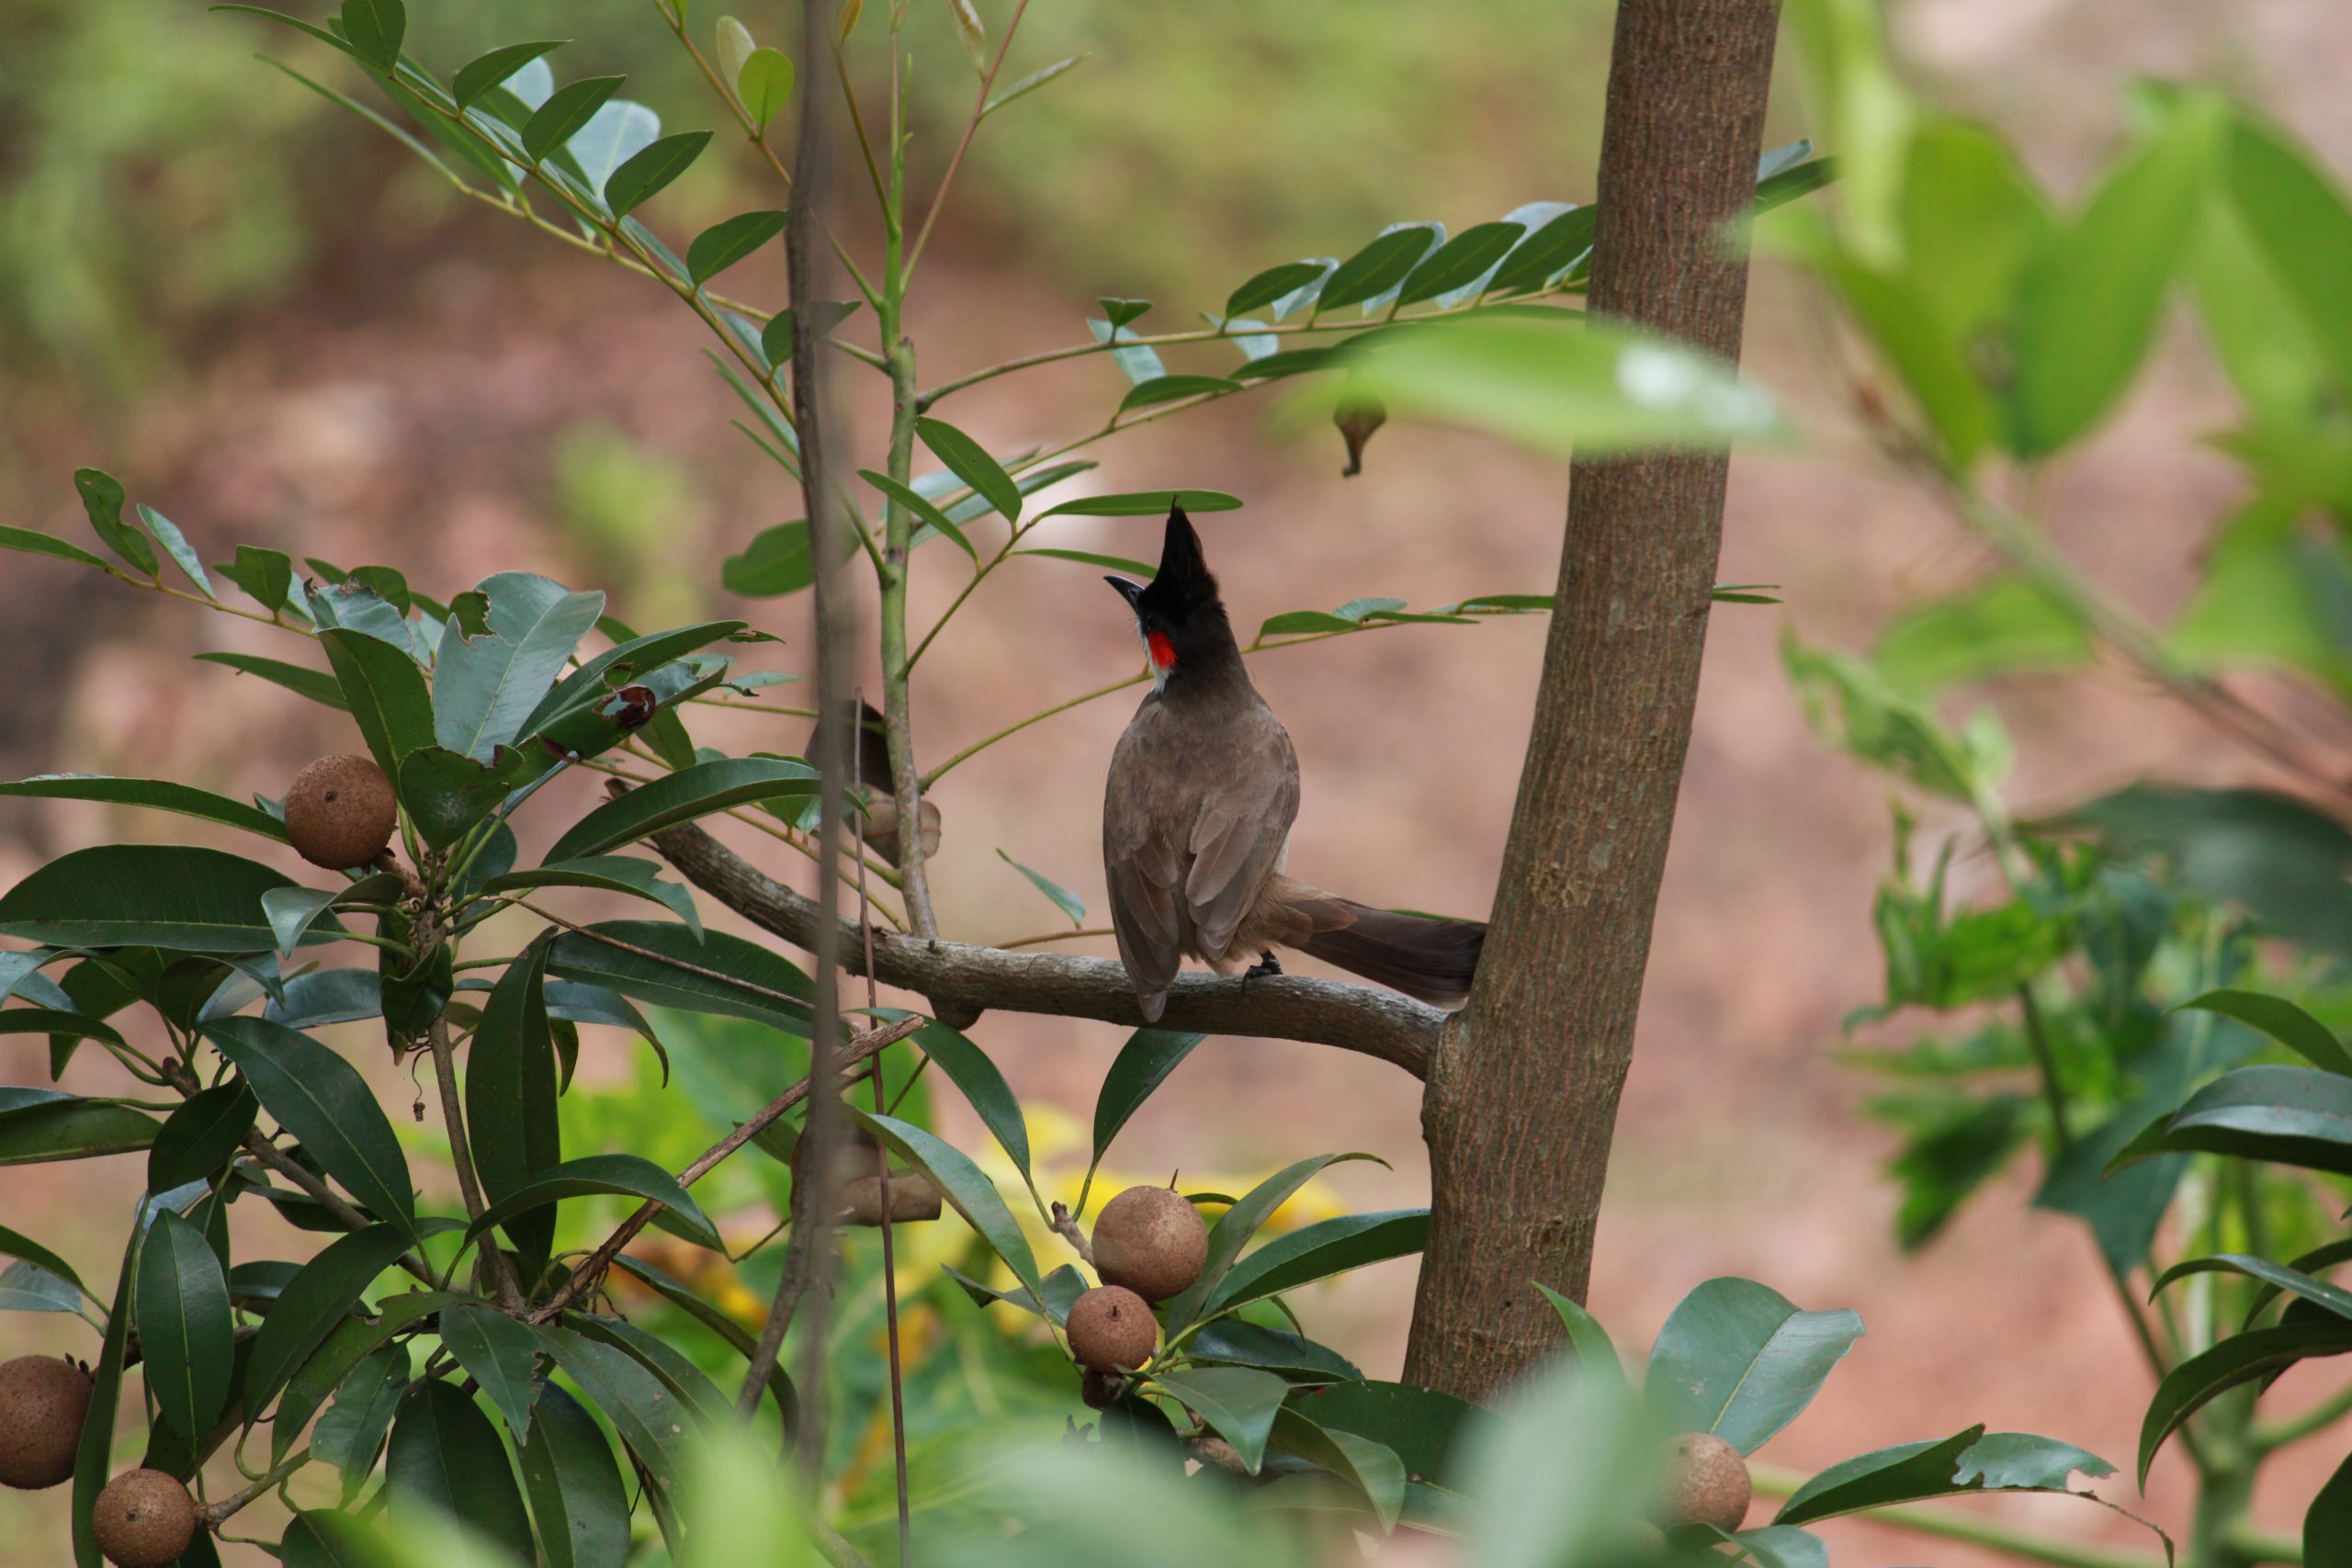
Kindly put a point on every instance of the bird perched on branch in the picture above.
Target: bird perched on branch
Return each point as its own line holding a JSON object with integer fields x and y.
{"x": 1196, "y": 819}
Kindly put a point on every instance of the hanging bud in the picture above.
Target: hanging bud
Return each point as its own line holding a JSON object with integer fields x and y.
{"x": 634, "y": 706}
{"x": 1357, "y": 416}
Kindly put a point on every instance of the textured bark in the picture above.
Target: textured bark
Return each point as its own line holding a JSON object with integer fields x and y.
{"x": 1523, "y": 1088}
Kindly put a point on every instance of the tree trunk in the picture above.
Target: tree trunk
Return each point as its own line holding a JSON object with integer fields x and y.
{"x": 1522, "y": 1092}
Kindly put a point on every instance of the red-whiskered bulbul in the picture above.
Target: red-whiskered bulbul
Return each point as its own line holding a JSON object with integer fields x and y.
{"x": 1196, "y": 819}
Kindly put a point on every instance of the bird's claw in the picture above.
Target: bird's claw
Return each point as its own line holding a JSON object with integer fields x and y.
{"x": 1266, "y": 965}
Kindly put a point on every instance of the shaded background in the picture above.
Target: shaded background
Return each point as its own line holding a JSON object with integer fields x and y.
{"x": 279, "y": 329}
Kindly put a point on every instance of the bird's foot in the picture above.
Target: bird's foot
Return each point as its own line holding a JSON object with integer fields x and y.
{"x": 1266, "y": 965}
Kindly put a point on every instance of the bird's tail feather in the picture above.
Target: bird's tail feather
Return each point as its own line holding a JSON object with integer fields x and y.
{"x": 1421, "y": 956}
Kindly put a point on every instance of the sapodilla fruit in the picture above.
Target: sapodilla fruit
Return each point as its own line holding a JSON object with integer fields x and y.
{"x": 143, "y": 1519}
{"x": 1703, "y": 1481}
{"x": 1111, "y": 1330}
{"x": 340, "y": 812}
{"x": 42, "y": 1401}
{"x": 1151, "y": 1240}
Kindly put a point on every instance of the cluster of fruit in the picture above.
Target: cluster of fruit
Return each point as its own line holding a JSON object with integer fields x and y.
{"x": 1150, "y": 1244}
{"x": 143, "y": 1518}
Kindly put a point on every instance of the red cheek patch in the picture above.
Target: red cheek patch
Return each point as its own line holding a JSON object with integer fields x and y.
{"x": 1163, "y": 652}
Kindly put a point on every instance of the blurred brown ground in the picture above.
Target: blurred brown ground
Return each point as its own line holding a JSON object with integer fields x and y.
{"x": 403, "y": 405}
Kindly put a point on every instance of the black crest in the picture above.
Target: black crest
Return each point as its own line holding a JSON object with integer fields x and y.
{"x": 1183, "y": 584}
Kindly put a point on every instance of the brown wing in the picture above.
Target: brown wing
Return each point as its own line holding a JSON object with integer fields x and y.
{"x": 1141, "y": 862}
{"x": 1242, "y": 823}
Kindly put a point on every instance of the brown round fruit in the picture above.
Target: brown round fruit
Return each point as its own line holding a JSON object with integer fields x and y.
{"x": 143, "y": 1519}
{"x": 1151, "y": 1240}
{"x": 42, "y": 1401}
{"x": 340, "y": 812}
{"x": 1703, "y": 1481}
{"x": 1110, "y": 1330}
{"x": 1101, "y": 1390}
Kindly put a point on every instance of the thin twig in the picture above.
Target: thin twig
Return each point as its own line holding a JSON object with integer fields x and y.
{"x": 591, "y": 1269}
{"x": 963, "y": 145}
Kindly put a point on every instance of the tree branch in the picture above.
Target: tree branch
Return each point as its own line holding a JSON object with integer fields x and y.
{"x": 962, "y": 980}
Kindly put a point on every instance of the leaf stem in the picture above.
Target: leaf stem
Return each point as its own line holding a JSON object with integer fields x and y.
{"x": 963, "y": 143}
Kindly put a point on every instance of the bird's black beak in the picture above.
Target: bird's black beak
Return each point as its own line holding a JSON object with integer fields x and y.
{"x": 1128, "y": 590}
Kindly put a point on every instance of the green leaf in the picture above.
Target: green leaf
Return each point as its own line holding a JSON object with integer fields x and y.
{"x": 312, "y": 683}
{"x": 1238, "y": 1342}
{"x": 2282, "y": 859}
{"x": 1168, "y": 389}
{"x": 1274, "y": 283}
{"x": 1319, "y": 1250}
{"x": 314, "y": 1304}
{"x": 1142, "y": 1064}
{"x": 1563, "y": 388}
{"x": 94, "y": 1455}
{"x": 502, "y": 1356}
{"x": 644, "y": 1413}
{"x": 510, "y": 1097}
{"x": 1422, "y": 1426}
{"x": 1371, "y": 1469}
{"x": 568, "y": 108}
{"x": 35, "y": 544}
{"x": 2298, "y": 1116}
{"x": 15, "y": 1244}
{"x": 53, "y": 1022}
{"x": 631, "y": 658}
{"x": 616, "y": 133}
{"x": 185, "y": 1336}
{"x": 1554, "y": 245}
{"x": 1738, "y": 1360}
{"x": 775, "y": 338}
{"x": 29, "y": 1286}
{"x": 1460, "y": 262}
{"x": 167, "y": 533}
{"x": 102, "y": 499}
{"x": 170, "y": 896}
{"x": 322, "y": 1101}
{"x": 2001, "y": 626}
{"x": 2087, "y": 300}
{"x": 200, "y": 1138}
{"x": 2327, "y": 1524}
{"x": 266, "y": 576}
{"x": 484, "y": 687}
{"x": 735, "y": 45}
{"x": 1375, "y": 269}
{"x": 777, "y": 561}
{"x": 38, "y": 1126}
{"x": 964, "y": 1186}
{"x": 2283, "y": 1022}
{"x": 1140, "y": 503}
{"x": 1116, "y": 563}
{"x": 629, "y": 1175}
{"x": 1298, "y": 622}
{"x": 1902, "y": 1473}
{"x": 650, "y": 169}
{"x": 1028, "y": 85}
{"x": 1068, "y": 903}
{"x": 925, "y": 510}
{"x": 723, "y": 244}
{"x": 481, "y": 74}
{"x": 385, "y": 693}
{"x": 350, "y": 1433}
{"x": 161, "y": 795}
{"x": 350, "y": 1341}
{"x": 446, "y": 1455}
{"x": 677, "y": 1371}
{"x": 717, "y": 1320}
{"x": 977, "y": 1077}
{"x": 665, "y": 964}
{"x": 1239, "y": 1403}
{"x": 2243, "y": 1358}
{"x": 610, "y": 873}
{"x": 2299, "y": 222}
{"x": 291, "y": 911}
{"x": 1594, "y": 1355}
{"x": 2279, "y": 1276}
{"x": 375, "y": 28}
{"x": 1236, "y": 1226}
{"x": 680, "y": 797}
{"x": 448, "y": 794}
{"x": 970, "y": 462}
{"x": 764, "y": 84}
{"x": 575, "y": 1488}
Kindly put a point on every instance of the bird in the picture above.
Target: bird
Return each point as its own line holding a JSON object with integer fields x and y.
{"x": 1197, "y": 813}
